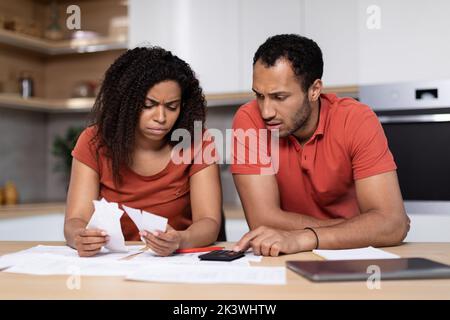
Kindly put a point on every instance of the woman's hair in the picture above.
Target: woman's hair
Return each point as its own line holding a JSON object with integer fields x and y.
{"x": 122, "y": 96}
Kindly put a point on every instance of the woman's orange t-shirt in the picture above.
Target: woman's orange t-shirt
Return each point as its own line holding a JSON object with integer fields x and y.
{"x": 166, "y": 193}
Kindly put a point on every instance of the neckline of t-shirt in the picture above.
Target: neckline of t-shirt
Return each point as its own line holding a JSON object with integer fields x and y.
{"x": 153, "y": 176}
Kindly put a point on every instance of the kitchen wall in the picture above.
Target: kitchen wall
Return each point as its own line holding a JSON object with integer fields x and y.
{"x": 26, "y": 140}
{"x": 363, "y": 41}
{"x": 23, "y": 137}
{"x": 221, "y": 118}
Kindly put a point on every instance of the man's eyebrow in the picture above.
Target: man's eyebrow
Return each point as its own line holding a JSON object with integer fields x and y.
{"x": 277, "y": 93}
{"x": 272, "y": 93}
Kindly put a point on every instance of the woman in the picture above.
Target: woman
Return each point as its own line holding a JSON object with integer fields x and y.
{"x": 125, "y": 156}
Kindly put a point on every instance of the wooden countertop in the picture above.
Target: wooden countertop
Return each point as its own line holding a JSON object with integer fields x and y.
{"x": 19, "y": 286}
{"x": 232, "y": 211}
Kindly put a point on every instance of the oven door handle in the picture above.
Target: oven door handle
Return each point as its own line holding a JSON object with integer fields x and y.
{"x": 414, "y": 118}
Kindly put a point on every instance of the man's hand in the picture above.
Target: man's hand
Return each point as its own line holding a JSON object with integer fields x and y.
{"x": 162, "y": 243}
{"x": 89, "y": 242}
{"x": 271, "y": 242}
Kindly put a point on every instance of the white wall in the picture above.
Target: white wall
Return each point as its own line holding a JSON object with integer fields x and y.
{"x": 217, "y": 38}
{"x": 412, "y": 44}
{"x": 334, "y": 26}
{"x": 220, "y": 37}
{"x": 202, "y": 32}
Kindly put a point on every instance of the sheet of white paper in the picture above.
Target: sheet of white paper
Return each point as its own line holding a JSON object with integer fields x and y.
{"x": 61, "y": 259}
{"x": 135, "y": 215}
{"x": 25, "y": 256}
{"x": 107, "y": 217}
{"x": 355, "y": 254}
{"x": 57, "y": 260}
{"x": 146, "y": 220}
{"x": 47, "y": 264}
{"x": 207, "y": 274}
{"x": 67, "y": 251}
{"x": 4, "y": 264}
{"x": 152, "y": 222}
{"x": 192, "y": 258}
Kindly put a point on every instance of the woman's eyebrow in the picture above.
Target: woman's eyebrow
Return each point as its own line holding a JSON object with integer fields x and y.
{"x": 157, "y": 102}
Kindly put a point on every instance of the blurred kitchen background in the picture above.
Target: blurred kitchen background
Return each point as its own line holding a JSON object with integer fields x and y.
{"x": 390, "y": 54}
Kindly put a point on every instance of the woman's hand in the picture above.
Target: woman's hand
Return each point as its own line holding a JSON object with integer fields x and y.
{"x": 162, "y": 243}
{"x": 89, "y": 242}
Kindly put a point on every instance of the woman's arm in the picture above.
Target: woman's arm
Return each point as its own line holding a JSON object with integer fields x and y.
{"x": 83, "y": 188}
{"x": 206, "y": 204}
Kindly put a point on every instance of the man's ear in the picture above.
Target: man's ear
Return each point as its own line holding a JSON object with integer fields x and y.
{"x": 314, "y": 90}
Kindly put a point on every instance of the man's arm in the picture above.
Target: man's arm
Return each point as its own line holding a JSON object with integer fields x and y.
{"x": 382, "y": 222}
{"x": 261, "y": 201}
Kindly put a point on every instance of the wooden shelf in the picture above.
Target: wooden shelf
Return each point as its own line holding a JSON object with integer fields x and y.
{"x": 46, "y": 105}
{"x": 228, "y": 99}
{"x": 85, "y": 104}
{"x": 52, "y": 48}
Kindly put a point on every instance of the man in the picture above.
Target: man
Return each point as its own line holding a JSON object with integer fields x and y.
{"x": 336, "y": 186}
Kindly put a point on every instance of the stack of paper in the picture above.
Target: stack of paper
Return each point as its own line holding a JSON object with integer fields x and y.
{"x": 355, "y": 254}
{"x": 47, "y": 264}
{"x": 106, "y": 217}
{"x": 206, "y": 274}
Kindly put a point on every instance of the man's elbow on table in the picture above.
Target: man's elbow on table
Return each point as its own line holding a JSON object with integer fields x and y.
{"x": 395, "y": 231}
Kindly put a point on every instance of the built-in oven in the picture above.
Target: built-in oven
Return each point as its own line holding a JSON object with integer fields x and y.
{"x": 416, "y": 120}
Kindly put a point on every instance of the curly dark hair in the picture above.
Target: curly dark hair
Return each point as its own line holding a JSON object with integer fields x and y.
{"x": 303, "y": 53}
{"x": 122, "y": 95}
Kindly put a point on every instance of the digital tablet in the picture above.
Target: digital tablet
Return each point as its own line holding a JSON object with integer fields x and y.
{"x": 357, "y": 270}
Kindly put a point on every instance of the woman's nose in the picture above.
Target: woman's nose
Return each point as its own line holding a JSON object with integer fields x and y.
{"x": 160, "y": 114}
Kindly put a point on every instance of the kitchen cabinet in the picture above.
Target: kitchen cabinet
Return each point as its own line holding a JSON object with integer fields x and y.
{"x": 333, "y": 25}
{"x": 217, "y": 38}
{"x": 202, "y": 32}
{"x": 363, "y": 41}
{"x": 260, "y": 19}
{"x": 411, "y": 44}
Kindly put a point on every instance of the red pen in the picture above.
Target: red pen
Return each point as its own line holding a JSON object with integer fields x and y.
{"x": 193, "y": 250}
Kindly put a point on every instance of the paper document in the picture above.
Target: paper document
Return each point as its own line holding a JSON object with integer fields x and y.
{"x": 207, "y": 274}
{"x": 145, "y": 220}
{"x": 356, "y": 254}
{"x": 47, "y": 264}
{"x": 57, "y": 260}
{"x": 28, "y": 256}
{"x": 192, "y": 258}
{"x": 46, "y": 260}
{"x": 106, "y": 217}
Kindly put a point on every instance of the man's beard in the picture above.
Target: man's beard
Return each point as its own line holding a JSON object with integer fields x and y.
{"x": 300, "y": 118}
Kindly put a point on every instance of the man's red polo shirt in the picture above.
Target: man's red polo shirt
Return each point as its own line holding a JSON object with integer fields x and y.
{"x": 318, "y": 179}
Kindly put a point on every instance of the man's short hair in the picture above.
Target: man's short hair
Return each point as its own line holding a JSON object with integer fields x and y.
{"x": 304, "y": 55}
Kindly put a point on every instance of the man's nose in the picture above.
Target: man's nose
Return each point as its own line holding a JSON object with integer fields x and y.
{"x": 267, "y": 111}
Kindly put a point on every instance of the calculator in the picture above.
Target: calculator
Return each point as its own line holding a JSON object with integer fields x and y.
{"x": 221, "y": 255}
